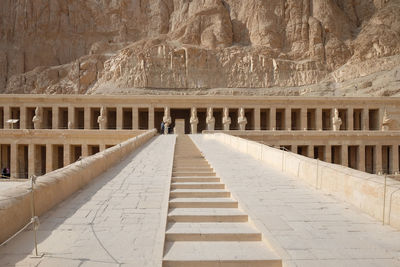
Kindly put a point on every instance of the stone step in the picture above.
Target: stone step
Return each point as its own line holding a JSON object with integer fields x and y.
{"x": 199, "y": 193}
{"x": 206, "y": 215}
{"x": 195, "y": 179}
{"x": 191, "y": 185}
{"x": 221, "y": 254}
{"x": 177, "y": 174}
{"x": 203, "y": 203}
{"x": 211, "y": 232}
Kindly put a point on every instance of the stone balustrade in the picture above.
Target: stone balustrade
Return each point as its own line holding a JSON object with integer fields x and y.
{"x": 55, "y": 186}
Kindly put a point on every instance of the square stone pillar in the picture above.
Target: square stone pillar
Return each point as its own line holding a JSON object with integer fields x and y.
{"x": 365, "y": 120}
{"x": 86, "y": 117}
{"x": 328, "y": 154}
{"x": 318, "y": 119}
{"x": 288, "y": 119}
{"x": 294, "y": 149}
{"x": 67, "y": 156}
{"x": 22, "y": 118}
{"x": 85, "y": 150}
{"x": 378, "y": 158}
{"x": 350, "y": 119}
{"x": 151, "y": 118}
{"x": 361, "y": 158}
{"x": 272, "y": 118}
{"x": 49, "y": 158}
{"x": 135, "y": 118}
{"x": 31, "y": 160}
{"x": 6, "y": 115}
{"x": 119, "y": 118}
{"x": 310, "y": 151}
{"x": 102, "y": 147}
{"x": 56, "y": 114}
{"x": 345, "y": 156}
{"x": 71, "y": 118}
{"x": 257, "y": 119}
{"x": 395, "y": 157}
{"x": 303, "y": 119}
{"x": 13, "y": 160}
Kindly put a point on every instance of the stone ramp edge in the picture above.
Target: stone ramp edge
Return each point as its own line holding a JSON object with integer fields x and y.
{"x": 56, "y": 186}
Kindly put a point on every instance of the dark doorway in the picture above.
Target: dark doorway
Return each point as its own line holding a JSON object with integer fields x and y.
{"x": 181, "y": 114}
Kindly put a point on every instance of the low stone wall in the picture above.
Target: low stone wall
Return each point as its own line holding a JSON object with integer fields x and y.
{"x": 56, "y": 186}
{"x": 363, "y": 190}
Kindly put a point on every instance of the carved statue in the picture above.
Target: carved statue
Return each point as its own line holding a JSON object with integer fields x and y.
{"x": 166, "y": 119}
{"x": 210, "y": 120}
{"x": 386, "y": 121}
{"x": 226, "y": 120}
{"x": 336, "y": 120}
{"x": 242, "y": 121}
{"x": 102, "y": 119}
{"x": 37, "y": 119}
{"x": 194, "y": 121}
{"x": 70, "y": 125}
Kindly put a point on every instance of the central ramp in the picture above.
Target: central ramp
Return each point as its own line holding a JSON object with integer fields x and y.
{"x": 205, "y": 227}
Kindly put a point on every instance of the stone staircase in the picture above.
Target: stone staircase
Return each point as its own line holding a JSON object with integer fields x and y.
{"x": 205, "y": 227}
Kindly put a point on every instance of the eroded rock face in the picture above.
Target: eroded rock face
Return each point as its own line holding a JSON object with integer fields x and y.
{"x": 111, "y": 46}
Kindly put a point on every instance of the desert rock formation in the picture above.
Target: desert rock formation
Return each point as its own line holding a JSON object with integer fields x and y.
{"x": 274, "y": 47}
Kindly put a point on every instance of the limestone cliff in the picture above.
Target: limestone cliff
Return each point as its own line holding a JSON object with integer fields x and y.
{"x": 274, "y": 47}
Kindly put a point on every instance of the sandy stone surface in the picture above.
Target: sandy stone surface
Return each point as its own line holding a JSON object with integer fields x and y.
{"x": 117, "y": 220}
{"x": 6, "y": 184}
{"x": 305, "y": 226}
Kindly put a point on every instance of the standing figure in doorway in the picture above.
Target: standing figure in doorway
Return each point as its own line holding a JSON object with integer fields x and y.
{"x": 336, "y": 120}
{"x": 102, "y": 119}
{"x": 37, "y": 119}
{"x": 226, "y": 120}
{"x": 167, "y": 120}
{"x": 242, "y": 121}
{"x": 210, "y": 120}
{"x": 194, "y": 121}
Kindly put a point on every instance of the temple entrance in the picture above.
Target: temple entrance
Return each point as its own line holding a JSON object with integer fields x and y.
{"x": 181, "y": 114}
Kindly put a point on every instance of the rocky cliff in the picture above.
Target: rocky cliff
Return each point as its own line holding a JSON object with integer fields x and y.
{"x": 274, "y": 47}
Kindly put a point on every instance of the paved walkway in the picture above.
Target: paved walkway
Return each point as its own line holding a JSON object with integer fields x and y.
{"x": 119, "y": 219}
{"x": 307, "y": 227}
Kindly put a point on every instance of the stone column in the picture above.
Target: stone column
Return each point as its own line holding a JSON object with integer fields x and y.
{"x": 86, "y": 117}
{"x": 120, "y": 119}
{"x": 135, "y": 118}
{"x": 294, "y": 149}
{"x": 49, "y": 158}
{"x": 303, "y": 119}
{"x": 102, "y": 147}
{"x": 361, "y": 158}
{"x": 67, "y": 156}
{"x": 288, "y": 119}
{"x": 151, "y": 118}
{"x": 395, "y": 157}
{"x": 56, "y": 114}
{"x": 365, "y": 119}
{"x": 344, "y": 156}
{"x": 257, "y": 119}
{"x": 378, "y": 158}
{"x": 350, "y": 119}
{"x": 310, "y": 151}
{"x": 22, "y": 118}
{"x": 272, "y": 118}
{"x": 85, "y": 150}
{"x": 318, "y": 119}
{"x": 328, "y": 153}
{"x": 13, "y": 160}
{"x": 71, "y": 118}
{"x": 31, "y": 160}
{"x": 6, "y": 111}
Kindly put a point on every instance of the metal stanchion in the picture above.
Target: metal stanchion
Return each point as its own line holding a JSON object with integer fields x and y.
{"x": 384, "y": 200}
{"x": 34, "y": 219}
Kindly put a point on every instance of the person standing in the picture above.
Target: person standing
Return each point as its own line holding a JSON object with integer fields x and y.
{"x": 162, "y": 127}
